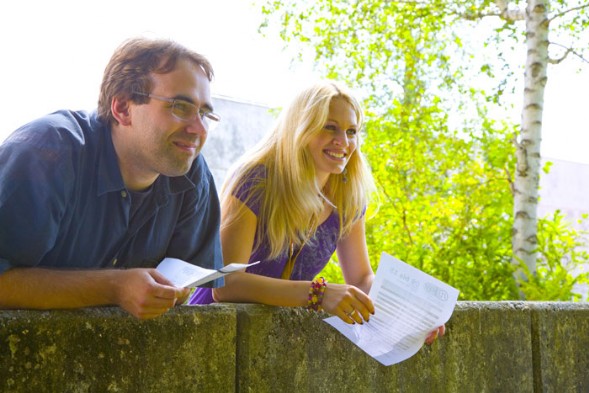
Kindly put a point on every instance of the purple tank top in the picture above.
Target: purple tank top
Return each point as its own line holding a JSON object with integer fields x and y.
{"x": 313, "y": 257}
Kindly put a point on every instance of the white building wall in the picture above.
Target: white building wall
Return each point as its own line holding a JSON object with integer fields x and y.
{"x": 565, "y": 188}
{"x": 242, "y": 125}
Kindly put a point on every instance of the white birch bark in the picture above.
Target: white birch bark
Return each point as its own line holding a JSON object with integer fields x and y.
{"x": 526, "y": 182}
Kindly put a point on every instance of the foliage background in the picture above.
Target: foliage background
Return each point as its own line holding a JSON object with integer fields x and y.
{"x": 439, "y": 86}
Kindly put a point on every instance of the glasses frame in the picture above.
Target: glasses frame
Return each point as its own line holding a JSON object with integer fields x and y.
{"x": 206, "y": 116}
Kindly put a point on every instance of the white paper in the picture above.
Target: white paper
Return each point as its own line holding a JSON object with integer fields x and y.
{"x": 186, "y": 275}
{"x": 409, "y": 304}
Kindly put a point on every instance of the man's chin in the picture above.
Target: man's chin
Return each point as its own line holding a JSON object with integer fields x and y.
{"x": 179, "y": 170}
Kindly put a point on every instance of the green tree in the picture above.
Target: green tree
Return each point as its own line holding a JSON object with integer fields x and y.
{"x": 445, "y": 183}
{"x": 562, "y": 263}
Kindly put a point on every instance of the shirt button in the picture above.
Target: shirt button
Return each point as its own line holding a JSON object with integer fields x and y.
{"x": 114, "y": 261}
{"x": 124, "y": 194}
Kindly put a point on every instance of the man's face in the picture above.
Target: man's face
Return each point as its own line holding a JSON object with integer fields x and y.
{"x": 158, "y": 142}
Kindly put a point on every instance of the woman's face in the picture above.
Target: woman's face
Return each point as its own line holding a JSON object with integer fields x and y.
{"x": 333, "y": 146}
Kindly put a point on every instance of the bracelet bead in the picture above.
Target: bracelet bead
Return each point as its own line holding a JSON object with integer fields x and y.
{"x": 316, "y": 293}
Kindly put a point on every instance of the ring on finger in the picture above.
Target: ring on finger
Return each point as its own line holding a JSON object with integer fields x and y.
{"x": 350, "y": 313}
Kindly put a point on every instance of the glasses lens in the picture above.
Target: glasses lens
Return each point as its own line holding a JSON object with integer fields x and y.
{"x": 184, "y": 110}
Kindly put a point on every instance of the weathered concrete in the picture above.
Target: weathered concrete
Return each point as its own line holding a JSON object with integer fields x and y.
{"x": 489, "y": 347}
{"x": 560, "y": 337}
{"x": 106, "y": 350}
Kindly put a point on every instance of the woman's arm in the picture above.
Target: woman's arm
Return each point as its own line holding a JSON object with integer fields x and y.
{"x": 237, "y": 240}
{"x": 352, "y": 254}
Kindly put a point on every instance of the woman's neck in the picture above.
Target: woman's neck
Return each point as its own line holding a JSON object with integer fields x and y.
{"x": 322, "y": 179}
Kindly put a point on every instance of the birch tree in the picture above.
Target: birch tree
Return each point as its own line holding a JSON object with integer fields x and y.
{"x": 539, "y": 16}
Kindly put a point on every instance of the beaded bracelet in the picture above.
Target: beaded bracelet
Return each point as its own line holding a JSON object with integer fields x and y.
{"x": 316, "y": 292}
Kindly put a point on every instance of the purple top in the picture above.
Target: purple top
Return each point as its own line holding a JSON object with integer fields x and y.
{"x": 311, "y": 260}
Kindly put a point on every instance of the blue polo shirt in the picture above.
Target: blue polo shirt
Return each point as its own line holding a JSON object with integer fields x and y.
{"x": 63, "y": 203}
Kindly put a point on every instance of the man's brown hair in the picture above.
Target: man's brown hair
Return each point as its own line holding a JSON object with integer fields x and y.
{"x": 129, "y": 67}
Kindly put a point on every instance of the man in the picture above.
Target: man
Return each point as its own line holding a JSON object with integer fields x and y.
{"x": 90, "y": 203}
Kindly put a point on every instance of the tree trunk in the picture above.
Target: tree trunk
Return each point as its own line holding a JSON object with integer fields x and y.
{"x": 525, "y": 224}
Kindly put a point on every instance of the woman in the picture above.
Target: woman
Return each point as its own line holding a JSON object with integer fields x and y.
{"x": 300, "y": 195}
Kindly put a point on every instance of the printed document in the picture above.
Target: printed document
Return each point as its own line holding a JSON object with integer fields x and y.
{"x": 186, "y": 275}
{"x": 409, "y": 304}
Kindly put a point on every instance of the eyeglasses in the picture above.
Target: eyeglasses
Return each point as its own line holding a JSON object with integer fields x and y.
{"x": 185, "y": 111}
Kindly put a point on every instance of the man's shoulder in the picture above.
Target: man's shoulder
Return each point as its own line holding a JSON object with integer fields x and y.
{"x": 61, "y": 127}
{"x": 61, "y": 142}
{"x": 79, "y": 124}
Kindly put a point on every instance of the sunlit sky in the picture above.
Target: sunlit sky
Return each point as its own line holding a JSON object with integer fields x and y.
{"x": 54, "y": 53}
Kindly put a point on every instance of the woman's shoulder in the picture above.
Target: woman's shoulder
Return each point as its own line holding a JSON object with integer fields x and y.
{"x": 249, "y": 187}
{"x": 256, "y": 173}
{"x": 249, "y": 179}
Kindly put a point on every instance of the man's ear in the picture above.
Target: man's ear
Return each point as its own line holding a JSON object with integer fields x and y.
{"x": 119, "y": 108}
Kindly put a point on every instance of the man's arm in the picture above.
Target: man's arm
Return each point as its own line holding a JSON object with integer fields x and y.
{"x": 144, "y": 293}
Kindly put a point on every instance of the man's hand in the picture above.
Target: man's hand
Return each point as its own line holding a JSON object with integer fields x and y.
{"x": 146, "y": 293}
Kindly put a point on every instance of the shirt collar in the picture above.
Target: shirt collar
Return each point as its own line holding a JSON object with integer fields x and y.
{"x": 108, "y": 171}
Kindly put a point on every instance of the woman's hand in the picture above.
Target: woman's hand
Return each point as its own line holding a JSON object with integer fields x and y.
{"x": 348, "y": 303}
{"x": 439, "y": 332}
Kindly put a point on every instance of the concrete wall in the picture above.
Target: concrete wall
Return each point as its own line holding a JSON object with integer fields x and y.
{"x": 489, "y": 347}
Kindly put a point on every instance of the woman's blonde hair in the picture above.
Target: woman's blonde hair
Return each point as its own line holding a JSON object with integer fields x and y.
{"x": 291, "y": 200}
